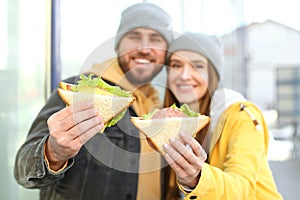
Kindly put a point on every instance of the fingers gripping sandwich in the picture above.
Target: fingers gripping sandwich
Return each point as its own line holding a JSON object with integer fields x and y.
{"x": 110, "y": 101}
{"x": 160, "y": 125}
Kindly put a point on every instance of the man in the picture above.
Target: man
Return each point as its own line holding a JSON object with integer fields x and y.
{"x": 64, "y": 156}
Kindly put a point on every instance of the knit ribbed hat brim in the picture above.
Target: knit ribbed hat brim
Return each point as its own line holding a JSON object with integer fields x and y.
{"x": 145, "y": 15}
{"x": 206, "y": 45}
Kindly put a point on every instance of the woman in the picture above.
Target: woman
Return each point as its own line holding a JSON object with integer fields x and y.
{"x": 236, "y": 141}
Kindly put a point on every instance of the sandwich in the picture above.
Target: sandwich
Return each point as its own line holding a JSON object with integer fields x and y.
{"x": 160, "y": 125}
{"x": 110, "y": 101}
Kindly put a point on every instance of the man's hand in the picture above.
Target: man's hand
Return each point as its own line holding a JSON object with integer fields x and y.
{"x": 70, "y": 128}
{"x": 186, "y": 157}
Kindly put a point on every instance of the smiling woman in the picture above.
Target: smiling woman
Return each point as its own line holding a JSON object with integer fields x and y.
{"x": 237, "y": 130}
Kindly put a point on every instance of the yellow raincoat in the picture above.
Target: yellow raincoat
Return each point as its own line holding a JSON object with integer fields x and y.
{"x": 238, "y": 167}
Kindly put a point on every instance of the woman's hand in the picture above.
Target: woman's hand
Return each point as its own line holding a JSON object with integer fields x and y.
{"x": 186, "y": 157}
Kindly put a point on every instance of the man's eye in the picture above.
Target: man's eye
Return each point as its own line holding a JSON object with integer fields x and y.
{"x": 156, "y": 39}
{"x": 133, "y": 37}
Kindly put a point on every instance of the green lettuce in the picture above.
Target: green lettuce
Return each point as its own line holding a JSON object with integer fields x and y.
{"x": 117, "y": 118}
{"x": 150, "y": 114}
{"x": 90, "y": 81}
{"x": 187, "y": 111}
{"x": 183, "y": 108}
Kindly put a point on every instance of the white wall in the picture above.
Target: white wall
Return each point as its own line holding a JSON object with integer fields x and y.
{"x": 269, "y": 45}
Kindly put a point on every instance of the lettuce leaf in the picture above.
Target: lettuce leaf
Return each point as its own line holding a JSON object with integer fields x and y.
{"x": 183, "y": 108}
{"x": 90, "y": 81}
{"x": 187, "y": 111}
{"x": 117, "y": 118}
{"x": 150, "y": 114}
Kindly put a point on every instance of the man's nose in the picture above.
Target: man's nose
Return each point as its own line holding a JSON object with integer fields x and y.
{"x": 144, "y": 46}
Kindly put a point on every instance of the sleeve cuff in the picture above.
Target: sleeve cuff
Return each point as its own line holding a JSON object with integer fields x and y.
{"x": 48, "y": 164}
{"x": 184, "y": 188}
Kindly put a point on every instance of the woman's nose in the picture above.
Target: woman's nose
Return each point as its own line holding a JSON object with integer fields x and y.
{"x": 186, "y": 72}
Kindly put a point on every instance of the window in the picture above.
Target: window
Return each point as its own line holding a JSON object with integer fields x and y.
{"x": 22, "y": 82}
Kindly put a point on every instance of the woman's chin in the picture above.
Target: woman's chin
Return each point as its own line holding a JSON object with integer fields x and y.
{"x": 188, "y": 101}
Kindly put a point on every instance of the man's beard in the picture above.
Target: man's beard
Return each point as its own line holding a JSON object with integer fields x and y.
{"x": 133, "y": 78}
{"x": 137, "y": 80}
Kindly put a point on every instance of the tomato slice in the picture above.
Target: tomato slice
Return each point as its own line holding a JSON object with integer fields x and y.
{"x": 66, "y": 86}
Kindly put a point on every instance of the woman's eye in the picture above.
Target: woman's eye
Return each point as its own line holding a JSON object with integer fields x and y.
{"x": 175, "y": 66}
{"x": 199, "y": 66}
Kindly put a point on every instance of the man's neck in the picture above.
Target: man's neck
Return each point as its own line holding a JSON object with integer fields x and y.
{"x": 144, "y": 88}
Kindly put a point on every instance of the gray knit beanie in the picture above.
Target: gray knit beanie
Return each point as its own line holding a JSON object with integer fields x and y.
{"x": 206, "y": 45}
{"x": 145, "y": 15}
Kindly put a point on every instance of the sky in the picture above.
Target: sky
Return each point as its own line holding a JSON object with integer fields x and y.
{"x": 286, "y": 12}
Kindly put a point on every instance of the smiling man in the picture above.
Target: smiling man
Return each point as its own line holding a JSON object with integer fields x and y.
{"x": 72, "y": 161}
{"x": 141, "y": 42}
{"x": 141, "y": 54}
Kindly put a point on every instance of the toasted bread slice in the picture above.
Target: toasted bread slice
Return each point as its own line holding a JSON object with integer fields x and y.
{"x": 108, "y": 106}
{"x": 159, "y": 131}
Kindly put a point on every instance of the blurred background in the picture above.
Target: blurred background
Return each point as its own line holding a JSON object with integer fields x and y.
{"x": 44, "y": 41}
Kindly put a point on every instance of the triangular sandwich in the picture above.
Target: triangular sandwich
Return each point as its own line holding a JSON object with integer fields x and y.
{"x": 159, "y": 126}
{"x": 110, "y": 101}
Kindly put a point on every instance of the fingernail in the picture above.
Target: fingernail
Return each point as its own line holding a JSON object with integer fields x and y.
{"x": 89, "y": 103}
{"x": 182, "y": 134}
{"x": 166, "y": 146}
{"x": 100, "y": 127}
{"x": 172, "y": 139}
{"x": 99, "y": 119}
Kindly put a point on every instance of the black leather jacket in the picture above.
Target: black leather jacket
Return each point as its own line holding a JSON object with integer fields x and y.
{"x": 105, "y": 168}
